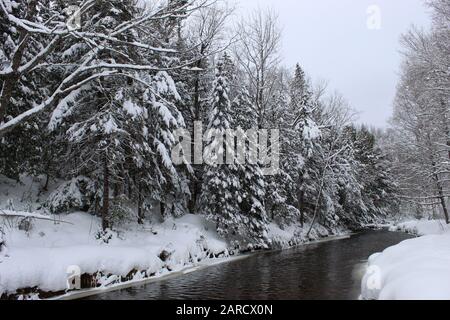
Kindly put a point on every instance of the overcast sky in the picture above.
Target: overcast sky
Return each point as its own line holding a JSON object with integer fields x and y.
{"x": 331, "y": 40}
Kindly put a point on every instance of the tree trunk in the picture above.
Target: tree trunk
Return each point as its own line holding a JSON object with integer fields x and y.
{"x": 162, "y": 209}
{"x": 105, "y": 209}
{"x": 140, "y": 209}
{"x": 47, "y": 178}
{"x": 444, "y": 207}
{"x": 6, "y": 94}
{"x": 197, "y": 116}
{"x": 10, "y": 83}
{"x": 115, "y": 190}
{"x": 300, "y": 207}
{"x": 444, "y": 118}
{"x": 442, "y": 199}
{"x": 441, "y": 195}
{"x": 130, "y": 187}
{"x": 300, "y": 199}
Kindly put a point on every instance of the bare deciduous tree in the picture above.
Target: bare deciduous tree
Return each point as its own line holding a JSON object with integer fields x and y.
{"x": 258, "y": 54}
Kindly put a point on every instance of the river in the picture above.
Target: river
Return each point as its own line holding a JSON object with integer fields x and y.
{"x": 321, "y": 271}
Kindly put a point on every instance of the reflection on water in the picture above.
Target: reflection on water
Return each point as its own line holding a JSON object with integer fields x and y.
{"x": 327, "y": 270}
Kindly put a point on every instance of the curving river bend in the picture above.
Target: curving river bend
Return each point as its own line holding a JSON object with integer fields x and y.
{"x": 326, "y": 270}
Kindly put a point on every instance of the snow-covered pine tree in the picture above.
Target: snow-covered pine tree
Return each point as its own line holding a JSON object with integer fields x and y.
{"x": 222, "y": 191}
{"x": 342, "y": 192}
{"x": 278, "y": 186}
{"x": 100, "y": 35}
{"x": 300, "y": 147}
{"x": 24, "y": 149}
{"x": 243, "y": 111}
{"x": 204, "y": 36}
{"x": 220, "y": 181}
{"x": 121, "y": 128}
{"x": 374, "y": 174}
{"x": 172, "y": 190}
{"x": 252, "y": 193}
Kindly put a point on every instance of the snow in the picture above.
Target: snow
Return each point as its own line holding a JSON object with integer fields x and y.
{"x": 73, "y": 50}
{"x": 415, "y": 269}
{"x": 21, "y": 214}
{"x": 53, "y": 247}
{"x": 110, "y": 126}
{"x": 23, "y": 195}
{"x": 69, "y": 195}
{"x": 311, "y": 131}
{"x": 133, "y": 109}
{"x": 292, "y": 235}
{"x": 422, "y": 227}
{"x": 166, "y": 85}
{"x": 165, "y": 113}
{"x": 56, "y": 242}
{"x": 63, "y": 109}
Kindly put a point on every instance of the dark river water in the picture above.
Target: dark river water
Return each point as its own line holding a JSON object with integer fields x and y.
{"x": 327, "y": 270}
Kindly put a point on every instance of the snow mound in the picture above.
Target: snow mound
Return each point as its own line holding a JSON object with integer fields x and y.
{"x": 422, "y": 227}
{"x": 416, "y": 269}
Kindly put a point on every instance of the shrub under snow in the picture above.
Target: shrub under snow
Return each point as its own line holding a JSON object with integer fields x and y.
{"x": 76, "y": 194}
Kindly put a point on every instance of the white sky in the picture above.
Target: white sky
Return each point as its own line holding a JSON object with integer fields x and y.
{"x": 331, "y": 40}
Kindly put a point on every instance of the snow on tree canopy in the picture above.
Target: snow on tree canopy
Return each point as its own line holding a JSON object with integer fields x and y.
{"x": 165, "y": 85}
{"x": 64, "y": 109}
{"x": 133, "y": 109}
{"x": 311, "y": 131}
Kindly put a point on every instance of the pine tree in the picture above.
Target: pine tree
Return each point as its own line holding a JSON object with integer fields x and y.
{"x": 374, "y": 173}
{"x": 121, "y": 128}
{"x": 221, "y": 183}
{"x": 24, "y": 149}
{"x": 226, "y": 189}
{"x": 300, "y": 147}
{"x": 252, "y": 193}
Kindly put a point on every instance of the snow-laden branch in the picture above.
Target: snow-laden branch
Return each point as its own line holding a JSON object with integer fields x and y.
{"x": 26, "y": 215}
{"x": 129, "y": 43}
{"x": 64, "y": 88}
{"x": 80, "y": 76}
{"x": 40, "y": 56}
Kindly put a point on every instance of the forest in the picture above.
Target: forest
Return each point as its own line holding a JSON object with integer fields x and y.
{"x": 93, "y": 94}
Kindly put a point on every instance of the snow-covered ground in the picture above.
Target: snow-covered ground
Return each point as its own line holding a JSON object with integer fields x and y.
{"x": 38, "y": 257}
{"x": 295, "y": 235}
{"x": 415, "y": 269}
{"x": 422, "y": 227}
{"x": 41, "y": 257}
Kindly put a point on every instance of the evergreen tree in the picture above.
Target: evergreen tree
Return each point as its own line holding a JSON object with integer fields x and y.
{"x": 375, "y": 175}
{"x": 221, "y": 183}
{"x": 226, "y": 190}
{"x": 300, "y": 147}
{"x": 252, "y": 193}
{"x": 121, "y": 128}
{"x": 24, "y": 150}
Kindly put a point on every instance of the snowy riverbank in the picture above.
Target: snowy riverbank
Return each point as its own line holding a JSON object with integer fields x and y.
{"x": 41, "y": 247}
{"x": 37, "y": 261}
{"x": 415, "y": 269}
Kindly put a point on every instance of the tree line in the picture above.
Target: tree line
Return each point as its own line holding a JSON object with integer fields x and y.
{"x": 97, "y": 106}
{"x": 419, "y": 137}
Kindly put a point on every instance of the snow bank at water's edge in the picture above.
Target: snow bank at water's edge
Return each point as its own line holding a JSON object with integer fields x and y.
{"x": 40, "y": 258}
{"x": 415, "y": 269}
